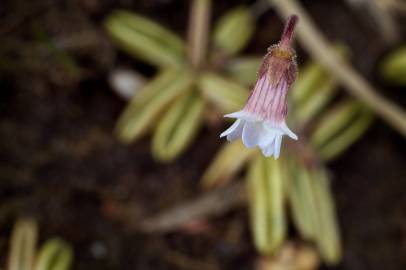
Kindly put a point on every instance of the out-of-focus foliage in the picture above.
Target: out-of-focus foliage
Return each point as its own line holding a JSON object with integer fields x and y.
{"x": 243, "y": 69}
{"x": 226, "y": 163}
{"x": 172, "y": 104}
{"x": 313, "y": 211}
{"x": 299, "y": 179}
{"x": 266, "y": 199}
{"x": 226, "y": 95}
{"x": 22, "y": 246}
{"x": 339, "y": 128}
{"x": 55, "y": 254}
{"x": 145, "y": 39}
{"x": 312, "y": 91}
{"x": 393, "y": 67}
{"x": 144, "y": 110}
{"x": 234, "y": 30}
{"x": 178, "y": 126}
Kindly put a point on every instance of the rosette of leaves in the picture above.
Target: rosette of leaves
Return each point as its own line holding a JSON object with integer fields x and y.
{"x": 192, "y": 79}
{"x": 297, "y": 185}
{"x": 200, "y": 75}
{"x": 54, "y": 254}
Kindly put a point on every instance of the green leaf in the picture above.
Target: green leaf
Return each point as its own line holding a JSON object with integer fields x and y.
{"x": 145, "y": 39}
{"x": 178, "y": 127}
{"x": 313, "y": 90}
{"x": 22, "y": 245}
{"x": 308, "y": 81}
{"x": 266, "y": 201}
{"x": 244, "y": 70}
{"x": 313, "y": 210}
{"x": 393, "y": 67}
{"x": 225, "y": 94}
{"x": 306, "y": 111}
{"x": 333, "y": 122}
{"x": 348, "y": 136}
{"x": 153, "y": 98}
{"x": 55, "y": 254}
{"x": 302, "y": 201}
{"x": 234, "y": 30}
{"x": 227, "y": 162}
{"x": 328, "y": 235}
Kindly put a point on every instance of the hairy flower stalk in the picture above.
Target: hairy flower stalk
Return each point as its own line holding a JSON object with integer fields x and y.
{"x": 262, "y": 120}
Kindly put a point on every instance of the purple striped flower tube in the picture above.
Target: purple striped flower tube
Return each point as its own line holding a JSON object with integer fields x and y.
{"x": 262, "y": 120}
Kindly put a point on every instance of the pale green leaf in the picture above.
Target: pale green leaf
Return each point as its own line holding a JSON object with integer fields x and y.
{"x": 302, "y": 201}
{"x": 178, "y": 127}
{"x": 347, "y": 137}
{"x": 225, "y": 94}
{"x": 328, "y": 235}
{"x": 23, "y": 244}
{"x": 393, "y": 67}
{"x": 226, "y": 163}
{"x": 55, "y": 254}
{"x": 155, "y": 96}
{"x": 244, "y": 70}
{"x": 266, "y": 201}
{"x": 334, "y": 121}
{"x": 234, "y": 30}
{"x": 145, "y": 40}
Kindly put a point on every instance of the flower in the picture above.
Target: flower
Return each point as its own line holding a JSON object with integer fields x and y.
{"x": 262, "y": 120}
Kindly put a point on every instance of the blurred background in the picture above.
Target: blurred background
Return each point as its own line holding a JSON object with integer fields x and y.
{"x": 110, "y": 153}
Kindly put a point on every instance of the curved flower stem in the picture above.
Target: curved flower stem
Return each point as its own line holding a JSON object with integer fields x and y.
{"x": 318, "y": 47}
{"x": 198, "y": 32}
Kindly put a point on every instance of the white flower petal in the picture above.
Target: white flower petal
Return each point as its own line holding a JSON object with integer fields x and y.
{"x": 251, "y": 134}
{"x": 288, "y": 132}
{"x": 278, "y": 142}
{"x": 266, "y": 137}
{"x": 281, "y": 128}
{"x": 238, "y": 114}
{"x": 244, "y": 116}
{"x": 255, "y": 132}
{"x": 274, "y": 128}
{"x": 231, "y": 129}
{"x": 272, "y": 143}
{"x": 269, "y": 149}
{"x": 237, "y": 132}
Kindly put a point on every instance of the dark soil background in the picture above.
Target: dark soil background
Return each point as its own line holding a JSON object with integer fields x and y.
{"x": 61, "y": 164}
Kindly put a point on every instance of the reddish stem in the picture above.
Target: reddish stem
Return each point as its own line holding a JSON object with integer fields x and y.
{"x": 289, "y": 29}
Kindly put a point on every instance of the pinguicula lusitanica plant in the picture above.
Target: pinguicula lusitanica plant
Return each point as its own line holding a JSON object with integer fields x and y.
{"x": 199, "y": 76}
{"x": 54, "y": 254}
{"x": 326, "y": 126}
